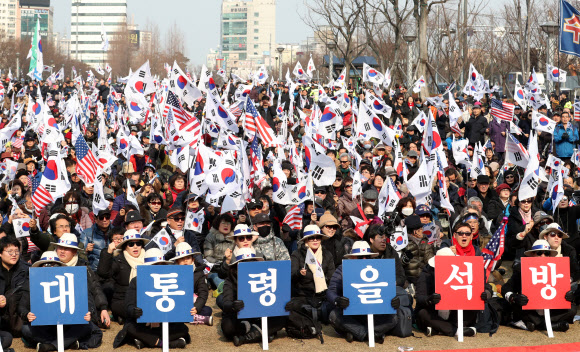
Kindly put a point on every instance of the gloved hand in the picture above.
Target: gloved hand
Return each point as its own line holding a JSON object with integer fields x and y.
{"x": 434, "y": 298}
{"x": 519, "y": 299}
{"x": 238, "y": 305}
{"x": 485, "y": 295}
{"x": 342, "y": 302}
{"x": 565, "y": 135}
{"x": 290, "y": 306}
{"x": 569, "y": 296}
{"x": 395, "y": 303}
{"x": 406, "y": 257}
{"x": 137, "y": 312}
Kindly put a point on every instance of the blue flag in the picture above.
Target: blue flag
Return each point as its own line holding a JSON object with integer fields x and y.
{"x": 569, "y": 29}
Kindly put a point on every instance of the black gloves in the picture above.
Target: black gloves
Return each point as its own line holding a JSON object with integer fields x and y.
{"x": 485, "y": 295}
{"x": 434, "y": 298}
{"x": 342, "y": 302}
{"x": 565, "y": 135}
{"x": 395, "y": 303}
{"x": 406, "y": 257}
{"x": 137, "y": 312}
{"x": 569, "y": 296}
{"x": 519, "y": 299}
{"x": 238, "y": 305}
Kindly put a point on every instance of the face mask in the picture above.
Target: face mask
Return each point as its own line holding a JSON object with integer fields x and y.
{"x": 72, "y": 208}
{"x": 418, "y": 105}
{"x": 264, "y": 231}
{"x": 407, "y": 211}
{"x": 367, "y": 146}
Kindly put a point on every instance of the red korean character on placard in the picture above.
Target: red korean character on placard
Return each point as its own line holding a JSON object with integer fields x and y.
{"x": 545, "y": 282}
{"x": 460, "y": 282}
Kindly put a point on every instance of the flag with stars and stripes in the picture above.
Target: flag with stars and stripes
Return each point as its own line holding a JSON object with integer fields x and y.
{"x": 294, "y": 217}
{"x": 494, "y": 249}
{"x": 86, "y": 162}
{"x": 502, "y": 111}
{"x": 173, "y": 104}
{"x": 250, "y": 123}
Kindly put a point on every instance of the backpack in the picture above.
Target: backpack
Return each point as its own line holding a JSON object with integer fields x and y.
{"x": 304, "y": 323}
{"x": 404, "y": 327}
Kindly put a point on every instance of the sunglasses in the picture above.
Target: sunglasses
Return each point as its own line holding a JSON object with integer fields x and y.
{"x": 245, "y": 238}
{"x": 348, "y": 185}
{"x": 344, "y": 161}
{"x": 509, "y": 176}
{"x": 463, "y": 234}
{"x": 526, "y": 201}
{"x": 106, "y": 216}
{"x": 133, "y": 244}
{"x": 425, "y": 216}
{"x": 540, "y": 253}
{"x": 554, "y": 234}
{"x": 255, "y": 207}
{"x": 316, "y": 238}
{"x": 319, "y": 192}
{"x": 333, "y": 227}
{"x": 155, "y": 203}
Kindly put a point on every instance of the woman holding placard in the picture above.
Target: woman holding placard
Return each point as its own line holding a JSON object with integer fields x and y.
{"x": 121, "y": 266}
{"x": 312, "y": 268}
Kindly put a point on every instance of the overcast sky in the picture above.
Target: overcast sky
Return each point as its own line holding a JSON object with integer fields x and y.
{"x": 199, "y": 19}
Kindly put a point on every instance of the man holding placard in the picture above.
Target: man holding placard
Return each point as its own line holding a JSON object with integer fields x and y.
{"x": 540, "y": 285}
{"x": 368, "y": 287}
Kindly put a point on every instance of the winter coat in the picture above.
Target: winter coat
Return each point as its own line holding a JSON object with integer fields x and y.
{"x": 346, "y": 205}
{"x": 335, "y": 247}
{"x": 390, "y": 253}
{"x": 475, "y": 129}
{"x": 495, "y": 130}
{"x": 215, "y": 245}
{"x": 515, "y": 225}
{"x": 271, "y": 247}
{"x": 115, "y": 267}
{"x": 19, "y": 277}
{"x": 303, "y": 285}
{"x": 565, "y": 144}
{"x": 335, "y": 285}
{"x": 190, "y": 238}
{"x": 100, "y": 240}
{"x": 425, "y": 287}
{"x": 422, "y": 252}
{"x": 200, "y": 287}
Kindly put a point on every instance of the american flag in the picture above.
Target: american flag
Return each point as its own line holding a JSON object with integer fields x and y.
{"x": 17, "y": 143}
{"x": 494, "y": 249}
{"x": 237, "y": 109}
{"x": 86, "y": 162}
{"x": 502, "y": 111}
{"x": 294, "y": 218}
{"x": 173, "y": 104}
{"x": 192, "y": 126}
{"x": 250, "y": 124}
{"x": 41, "y": 198}
{"x": 576, "y": 110}
{"x": 257, "y": 160}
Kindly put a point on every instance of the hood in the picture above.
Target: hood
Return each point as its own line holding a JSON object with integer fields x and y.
{"x": 219, "y": 236}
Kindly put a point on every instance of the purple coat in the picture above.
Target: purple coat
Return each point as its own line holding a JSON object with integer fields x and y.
{"x": 495, "y": 130}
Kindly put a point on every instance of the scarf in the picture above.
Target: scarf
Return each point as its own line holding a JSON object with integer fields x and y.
{"x": 526, "y": 217}
{"x": 133, "y": 262}
{"x": 73, "y": 261}
{"x": 319, "y": 282}
{"x": 559, "y": 251}
{"x": 468, "y": 251}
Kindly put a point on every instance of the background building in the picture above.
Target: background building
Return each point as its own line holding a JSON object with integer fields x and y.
{"x": 248, "y": 33}
{"x": 28, "y": 12}
{"x": 8, "y": 18}
{"x": 86, "y": 17}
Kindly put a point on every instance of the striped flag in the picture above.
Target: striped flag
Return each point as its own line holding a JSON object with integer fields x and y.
{"x": 502, "y": 111}
{"x": 494, "y": 249}
{"x": 576, "y": 110}
{"x": 17, "y": 143}
{"x": 516, "y": 153}
{"x": 265, "y": 132}
{"x": 237, "y": 109}
{"x": 250, "y": 123}
{"x": 192, "y": 127}
{"x": 86, "y": 162}
{"x": 181, "y": 116}
{"x": 294, "y": 218}
{"x": 41, "y": 198}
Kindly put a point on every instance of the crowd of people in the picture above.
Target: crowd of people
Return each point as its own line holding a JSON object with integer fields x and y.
{"x": 337, "y": 223}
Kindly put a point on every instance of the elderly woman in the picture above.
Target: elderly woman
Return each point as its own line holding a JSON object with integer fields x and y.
{"x": 512, "y": 292}
{"x": 310, "y": 281}
{"x": 218, "y": 240}
{"x": 120, "y": 262}
{"x": 554, "y": 235}
{"x": 520, "y": 223}
{"x": 329, "y": 227}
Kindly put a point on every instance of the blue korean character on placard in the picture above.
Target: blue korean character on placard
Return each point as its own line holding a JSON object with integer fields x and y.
{"x": 370, "y": 285}
{"x": 165, "y": 293}
{"x": 58, "y": 295}
{"x": 264, "y": 287}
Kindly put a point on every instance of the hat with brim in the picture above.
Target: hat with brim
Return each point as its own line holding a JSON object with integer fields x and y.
{"x": 444, "y": 252}
{"x": 132, "y": 216}
{"x": 311, "y": 231}
{"x": 244, "y": 254}
{"x": 154, "y": 256}
{"x": 132, "y": 235}
{"x": 553, "y": 227}
{"x": 182, "y": 250}
{"x": 243, "y": 230}
{"x": 68, "y": 240}
{"x": 541, "y": 246}
{"x": 361, "y": 249}
{"x": 175, "y": 211}
{"x": 48, "y": 257}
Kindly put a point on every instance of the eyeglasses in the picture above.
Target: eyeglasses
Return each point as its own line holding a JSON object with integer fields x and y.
{"x": 133, "y": 244}
{"x": 463, "y": 234}
{"x": 526, "y": 201}
{"x": 245, "y": 238}
{"x": 106, "y": 216}
{"x": 12, "y": 252}
{"x": 181, "y": 218}
{"x": 554, "y": 234}
{"x": 155, "y": 203}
